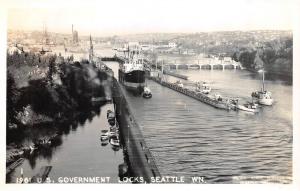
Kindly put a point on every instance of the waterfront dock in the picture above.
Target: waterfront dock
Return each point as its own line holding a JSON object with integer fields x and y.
{"x": 140, "y": 160}
{"x": 14, "y": 165}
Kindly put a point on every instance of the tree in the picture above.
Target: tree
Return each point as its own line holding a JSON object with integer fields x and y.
{"x": 12, "y": 95}
{"x": 52, "y": 70}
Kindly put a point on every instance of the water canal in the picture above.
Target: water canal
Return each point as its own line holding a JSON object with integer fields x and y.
{"x": 189, "y": 138}
{"x": 80, "y": 154}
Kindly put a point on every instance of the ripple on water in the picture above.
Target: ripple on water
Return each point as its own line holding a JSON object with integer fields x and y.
{"x": 189, "y": 138}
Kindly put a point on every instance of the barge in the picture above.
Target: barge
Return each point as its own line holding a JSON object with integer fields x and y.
{"x": 218, "y": 103}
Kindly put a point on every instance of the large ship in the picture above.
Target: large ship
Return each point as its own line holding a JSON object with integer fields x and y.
{"x": 131, "y": 70}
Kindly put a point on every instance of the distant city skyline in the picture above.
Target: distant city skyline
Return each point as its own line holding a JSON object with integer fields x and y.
{"x": 116, "y": 17}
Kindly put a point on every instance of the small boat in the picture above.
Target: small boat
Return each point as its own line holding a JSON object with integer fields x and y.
{"x": 112, "y": 122}
{"x": 111, "y": 117}
{"x": 203, "y": 88}
{"x": 179, "y": 84}
{"x": 112, "y": 133}
{"x": 115, "y": 142}
{"x": 218, "y": 97}
{"x": 113, "y": 128}
{"x": 104, "y": 131}
{"x": 263, "y": 97}
{"x": 108, "y": 112}
{"x": 249, "y": 107}
{"x": 147, "y": 92}
{"x": 104, "y": 137}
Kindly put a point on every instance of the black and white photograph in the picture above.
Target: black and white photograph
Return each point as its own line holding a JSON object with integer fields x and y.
{"x": 155, "y": 92}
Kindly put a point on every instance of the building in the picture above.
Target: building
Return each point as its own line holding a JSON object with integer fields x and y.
{"x": 75, "y": 38}
{"x": 172, "y": 45}
{"x": 91, "y": 51}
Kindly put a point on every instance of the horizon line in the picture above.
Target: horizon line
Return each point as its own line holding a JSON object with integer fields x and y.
{"x": 152, "y": 32}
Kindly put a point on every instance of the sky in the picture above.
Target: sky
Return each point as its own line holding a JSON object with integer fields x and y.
{"x": 115, "y": 17}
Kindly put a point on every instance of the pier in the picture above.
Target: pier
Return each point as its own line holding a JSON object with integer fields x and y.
{"x": 15, "y": 164}
{"x": 140, "y": 160}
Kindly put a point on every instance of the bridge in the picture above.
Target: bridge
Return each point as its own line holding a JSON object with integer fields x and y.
{"x": 191, "y": 64}
{"x": 202, "y": 65}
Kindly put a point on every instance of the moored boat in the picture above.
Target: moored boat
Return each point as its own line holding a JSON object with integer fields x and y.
{"x": 104, "y": 137}
{"x": 249, "y": 107}
{"x": 263, "y": 97}
{"x": 111, "y": 117}
{"x": 203, "y": 87}
{"x": 131, "y": 70}
{"x": 114, "y": 141}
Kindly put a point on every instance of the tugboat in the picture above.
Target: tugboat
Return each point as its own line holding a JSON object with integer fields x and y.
{"x": 147, "y": 92}
{"x": 250, "y": 106}
{"x": 263, "y": 97}
{"x": 131, "y": 70}
{"x": 218, "y": 97}
{"x": 203, "y": 88}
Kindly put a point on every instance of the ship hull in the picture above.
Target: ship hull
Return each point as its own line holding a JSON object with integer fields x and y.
{"x": 134, "y": 80}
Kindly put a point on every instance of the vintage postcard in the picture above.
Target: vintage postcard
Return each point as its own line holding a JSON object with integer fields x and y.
{"x": 160, "y": 92}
